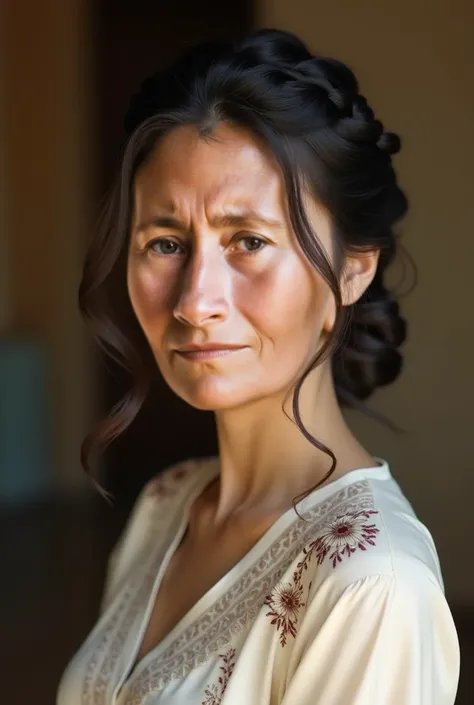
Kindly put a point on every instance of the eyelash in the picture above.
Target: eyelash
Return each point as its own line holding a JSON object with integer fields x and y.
{"x": 239, "y": 239}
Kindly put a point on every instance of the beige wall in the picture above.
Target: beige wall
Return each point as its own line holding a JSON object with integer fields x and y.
{"x": 414, "y": 61}
{"x": 45, "y": 196}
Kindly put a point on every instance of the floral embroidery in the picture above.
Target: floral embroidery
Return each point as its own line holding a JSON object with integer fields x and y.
{"x": 285, "y": 603}
{"x": 343, "y": 536}
{"x": 215, "y": 692}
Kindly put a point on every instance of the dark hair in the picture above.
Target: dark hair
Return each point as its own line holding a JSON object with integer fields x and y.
{"x": 308, "y": 110}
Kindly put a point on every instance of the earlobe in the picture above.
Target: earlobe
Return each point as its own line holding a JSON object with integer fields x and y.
{"x": 328, "y": 325}
{"x": 330, "y": 320}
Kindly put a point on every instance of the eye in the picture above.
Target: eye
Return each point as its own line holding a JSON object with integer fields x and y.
{"x": 165, "y": 246}
{"x": 248, "y": 244}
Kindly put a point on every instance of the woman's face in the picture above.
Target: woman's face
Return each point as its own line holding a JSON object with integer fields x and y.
{"x": 213, "y": 262}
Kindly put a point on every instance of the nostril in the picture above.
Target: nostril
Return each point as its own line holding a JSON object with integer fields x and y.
{"x": 197, "y": 314}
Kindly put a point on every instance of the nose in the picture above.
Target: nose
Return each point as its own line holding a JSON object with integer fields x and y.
{"x": 203, "y": 291}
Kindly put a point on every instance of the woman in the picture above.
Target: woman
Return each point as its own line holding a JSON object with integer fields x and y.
{"x": 245, "y": 248}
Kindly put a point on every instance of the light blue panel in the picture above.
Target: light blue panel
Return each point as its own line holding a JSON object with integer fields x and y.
{"x": 25, "y": 456}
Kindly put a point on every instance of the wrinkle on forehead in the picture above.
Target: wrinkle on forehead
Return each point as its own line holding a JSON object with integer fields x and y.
{"x": 199, "y": 180}
{"x": 186, "y": 172}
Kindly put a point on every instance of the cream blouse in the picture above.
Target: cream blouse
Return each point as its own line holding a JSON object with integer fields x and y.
{"x": 344, "y": 608}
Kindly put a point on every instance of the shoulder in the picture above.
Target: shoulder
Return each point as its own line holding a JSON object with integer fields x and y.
{"x": 368, "y": 528}
{"x": 157, "y": 504}
{"x": 162, "y": 493}
{"x": 363, "y": 538}
{"x": 365, "y": 585}
{"x": 173, "y": 481}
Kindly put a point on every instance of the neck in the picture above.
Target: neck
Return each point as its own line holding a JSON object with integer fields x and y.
{"x": 265, "y": 460}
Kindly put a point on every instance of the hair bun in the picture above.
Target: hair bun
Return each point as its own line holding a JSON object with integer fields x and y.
{"x": 370, "y": 356}
{"x": 389, "y": 142}
{"x": 339, "y": 76}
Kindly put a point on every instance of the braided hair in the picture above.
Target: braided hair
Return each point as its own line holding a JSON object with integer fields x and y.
{"x": 322, "y": 132}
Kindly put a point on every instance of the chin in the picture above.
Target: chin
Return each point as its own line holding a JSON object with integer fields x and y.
{"x": 214, "y": 395}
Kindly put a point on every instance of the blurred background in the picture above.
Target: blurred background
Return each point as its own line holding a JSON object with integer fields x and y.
{"x": 67, "y": 70}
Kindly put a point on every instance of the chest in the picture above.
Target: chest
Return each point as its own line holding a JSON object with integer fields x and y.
{"x": 190, "y": 574}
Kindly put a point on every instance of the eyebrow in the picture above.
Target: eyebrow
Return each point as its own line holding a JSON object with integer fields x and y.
{"x": 227, "y": 219}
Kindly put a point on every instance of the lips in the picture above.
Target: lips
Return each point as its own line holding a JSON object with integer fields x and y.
{"x": 208, "y": 350}
{"x": 207, "y": 347}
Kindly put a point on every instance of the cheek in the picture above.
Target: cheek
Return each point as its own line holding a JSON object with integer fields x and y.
{"x": 150, "y": 297}
{"x": 285, "y": 304}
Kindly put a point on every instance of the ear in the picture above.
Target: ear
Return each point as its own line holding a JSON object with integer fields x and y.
{"x": 357, "y": 275}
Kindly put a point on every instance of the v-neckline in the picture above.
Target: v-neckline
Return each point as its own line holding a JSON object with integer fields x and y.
{"x": 208, "y": 475}
{"x": 380, "y": 471}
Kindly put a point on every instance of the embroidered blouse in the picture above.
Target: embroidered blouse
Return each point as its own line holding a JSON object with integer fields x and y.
{"x": 344, "y": 607}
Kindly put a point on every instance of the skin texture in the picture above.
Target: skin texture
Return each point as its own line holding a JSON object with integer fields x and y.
{"x": 204, "y": 267}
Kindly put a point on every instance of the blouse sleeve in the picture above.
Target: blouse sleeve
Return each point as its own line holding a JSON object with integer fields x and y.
{"x": 381, "y": 640}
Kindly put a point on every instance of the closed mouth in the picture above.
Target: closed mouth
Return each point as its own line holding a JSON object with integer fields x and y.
{"x": 208, "y": 351}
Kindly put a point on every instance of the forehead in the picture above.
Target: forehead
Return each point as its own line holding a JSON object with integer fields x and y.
{"x": 229, "y": 164}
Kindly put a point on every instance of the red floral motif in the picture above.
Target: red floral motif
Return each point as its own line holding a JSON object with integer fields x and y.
{"x": 167, "y": 483}
{"x": 214, "y": 692}
{"x": 285, "y": 602}
{"x": 162, "y": 489}
{"x": 180, "y": 473}
{"x": 344, "y": 535}
{"x": 340, "y": 538}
